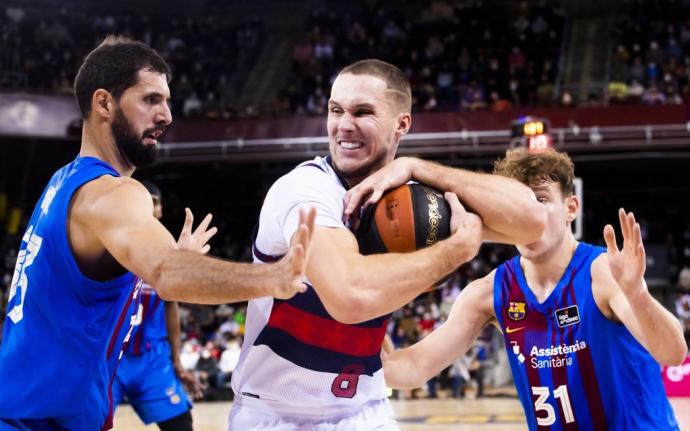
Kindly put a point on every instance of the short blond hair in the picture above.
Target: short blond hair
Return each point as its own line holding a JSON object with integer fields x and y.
{"x": 530, "y": 168}
{"x": 398, "y": 85}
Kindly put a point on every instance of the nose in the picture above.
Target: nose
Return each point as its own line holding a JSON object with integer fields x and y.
{"x": 164, "y": 116}
{"x": 346, "y": 123}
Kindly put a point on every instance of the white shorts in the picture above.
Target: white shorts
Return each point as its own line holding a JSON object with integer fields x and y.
{"x": 377, "y": 416}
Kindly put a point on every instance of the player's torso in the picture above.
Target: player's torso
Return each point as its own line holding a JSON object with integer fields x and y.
{"x": 55, "y": 312}
{"x": 296, "y": 360}
{"x": 573, "y": 368}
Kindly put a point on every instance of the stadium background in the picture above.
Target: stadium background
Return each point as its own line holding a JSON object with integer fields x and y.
{"x": 249, "y": 92}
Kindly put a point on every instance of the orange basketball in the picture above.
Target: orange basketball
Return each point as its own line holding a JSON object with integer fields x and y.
{"x": 405, "y": 219}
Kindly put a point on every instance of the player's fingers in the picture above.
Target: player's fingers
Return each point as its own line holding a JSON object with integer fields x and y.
{"x": 352, "y": 199}
{"x": 311, "y": 221}
{"x": 206, "y": 237}
{"x": 205, "y": 249}
{"x": 375, "y": 196}
{"x": 188, "y": 220}
{"x": 610, "y": 239}
{"x": 455, "y": 205}
{"x": 637, "y": 237}
{"x": 204, "y": 223}
{"x": 297, "y": 259}
{"x": 625, "y": 227}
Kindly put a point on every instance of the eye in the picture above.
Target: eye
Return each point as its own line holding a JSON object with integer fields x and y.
{"x": 336, "y": 110}
{"x": 363, "y": 112}
{"x": 542, "y": 199}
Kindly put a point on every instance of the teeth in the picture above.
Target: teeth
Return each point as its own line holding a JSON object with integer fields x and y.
{"x": 349, "y": 145}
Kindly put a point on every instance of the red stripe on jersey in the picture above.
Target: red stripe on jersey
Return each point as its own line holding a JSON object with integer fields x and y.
{"x": 591, "y": 386}
{"x": 534, "y": 324}
{"x": 327, "y": 333}
{"x": 559, "y": 375}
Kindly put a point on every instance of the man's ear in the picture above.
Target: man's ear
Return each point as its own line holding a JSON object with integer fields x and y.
{"x": 102, "y": 103}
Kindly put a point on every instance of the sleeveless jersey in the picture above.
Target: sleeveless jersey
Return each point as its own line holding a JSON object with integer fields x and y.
{"x": 574, "y": 369}
{"x": 296, "y": 360}
{"x": 60, "y": 341}
{"x": 151, "y": 329}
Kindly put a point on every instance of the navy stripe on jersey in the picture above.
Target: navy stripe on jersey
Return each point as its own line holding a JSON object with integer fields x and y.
{"x": 315, "y": 358}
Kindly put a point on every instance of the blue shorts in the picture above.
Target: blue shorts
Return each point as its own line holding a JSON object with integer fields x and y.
{"x": 150, "y": 384}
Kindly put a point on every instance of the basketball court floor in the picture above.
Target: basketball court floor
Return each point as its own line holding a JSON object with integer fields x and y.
{"x": 484, "y": 414}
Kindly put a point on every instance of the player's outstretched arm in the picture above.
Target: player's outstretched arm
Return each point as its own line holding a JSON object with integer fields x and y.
{"x": 508, "y": 208}
{"x": 355, "y": 288}
{"x": 618, "y": 279}
{"x": 118, "y": 212}
{"x": 413, "y": 366}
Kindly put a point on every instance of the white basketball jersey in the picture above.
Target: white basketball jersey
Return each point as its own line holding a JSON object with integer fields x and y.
{"x": 296, "y": 359}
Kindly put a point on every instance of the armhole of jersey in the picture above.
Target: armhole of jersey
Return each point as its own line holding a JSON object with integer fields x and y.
{"x": 498, "y": 276}
{"x": 600, "y": 313}
{"x": 64, "y": 243}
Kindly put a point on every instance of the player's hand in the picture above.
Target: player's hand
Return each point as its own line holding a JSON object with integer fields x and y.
{"x": 369, "y": 191}
{"x": 198, "y": 240}
{"x": 627, "y": 265}
{"x": 465, "y": 228}
{"x": 291, "y": 268}
{"x": 190, "y": 382}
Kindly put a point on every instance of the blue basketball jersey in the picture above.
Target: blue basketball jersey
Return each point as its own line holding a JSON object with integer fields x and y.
{"x": 574, "y": 369}
{"x": 62, "y": 333}
{"x": 151, "y": 329}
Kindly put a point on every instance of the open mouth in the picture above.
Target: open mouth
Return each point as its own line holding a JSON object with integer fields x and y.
{"x": 154, "y": 135}
{"x": 351, "y": 145}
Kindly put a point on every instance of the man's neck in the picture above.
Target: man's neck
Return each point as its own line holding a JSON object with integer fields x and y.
{"x": 543, "y": 276}
{"x": 94, "y": 143}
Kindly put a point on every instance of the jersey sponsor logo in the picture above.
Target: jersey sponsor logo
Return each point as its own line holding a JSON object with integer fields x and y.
{"x": 510, "y": 330}
{"x": 516, "y": 310}
{"x": 567, "y": 316}
{"x": 554, "y": 356}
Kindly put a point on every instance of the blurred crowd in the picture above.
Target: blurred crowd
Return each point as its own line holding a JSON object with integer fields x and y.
{"x": 467, "y": 55}
{"x": 210, "y": 54}
{"x": 459, "y": 55}
{"x": 650, "y": 63}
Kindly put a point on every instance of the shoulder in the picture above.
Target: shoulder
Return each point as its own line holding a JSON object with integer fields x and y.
{"x": 480, "y": 292}
{"x": 314, "y": 174}
{"x": 308, "y": 185}
{"x": 604, "y": 287}
{"x": 108, "y": 196}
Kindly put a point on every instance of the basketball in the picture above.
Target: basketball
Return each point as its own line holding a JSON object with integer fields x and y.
{"x": 405, "y": 219}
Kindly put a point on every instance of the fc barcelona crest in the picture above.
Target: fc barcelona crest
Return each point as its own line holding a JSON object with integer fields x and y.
{"x": 516, "y": 310}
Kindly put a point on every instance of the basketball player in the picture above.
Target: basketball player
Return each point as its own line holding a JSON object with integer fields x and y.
{"x": 150, "y": 374}
{"x": 92, "y": 228}
{"x": 312, "y": 362}
{"x": 583, "y": 335}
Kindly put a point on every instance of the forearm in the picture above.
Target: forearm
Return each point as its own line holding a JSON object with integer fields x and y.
{"x": 375, "y": 285}
{"x": 186, "y": 276}
{"x": 505, "y": 205}
{"x": 172, "y": 324}
{"x": 661, "y": 332}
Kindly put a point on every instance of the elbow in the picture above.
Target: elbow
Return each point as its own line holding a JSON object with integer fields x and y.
{"x": 159, "y": 278}
{"x": 678, "y": 357}
{"x": 534, "y": 222}
{"x": 348, "y": 306}
{"x": 350, "y": 312}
